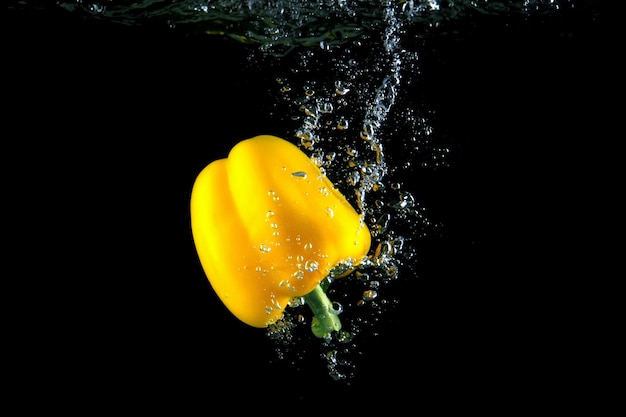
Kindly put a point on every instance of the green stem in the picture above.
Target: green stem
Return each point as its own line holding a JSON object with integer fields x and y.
{"x": 326, "y": 319}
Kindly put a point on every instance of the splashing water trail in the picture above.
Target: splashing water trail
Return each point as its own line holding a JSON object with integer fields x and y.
{"x": 341, "y": 117}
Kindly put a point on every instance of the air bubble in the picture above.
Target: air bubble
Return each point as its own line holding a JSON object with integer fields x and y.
{"x": 329, "y": 212}
{"x": 317, "y": 157}
{"x": 340, "y": 88}
{"x": 369, "y": 295}
{"x": 311, "y": 266}
{"x": 362, "y": 276}
{"x": 307, "y": 142}
{"x": 368, "y": 132}
{"x": 264, "y": 248}
{"x": 353, "y": 178}
{"x": 344, "y": 336}
{"x": 383, "y": 223}
{"x": 304, "y": 134}
{"x": 275, "y": 303}
{"x": 337, "y": 308}
{"x": 342, "y": 124}
{"x": 326, "y": 107}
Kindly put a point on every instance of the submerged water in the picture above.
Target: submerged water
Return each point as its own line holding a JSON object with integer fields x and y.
{"x": 345, "y": 86}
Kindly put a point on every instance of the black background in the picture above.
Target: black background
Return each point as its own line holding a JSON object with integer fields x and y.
{"x": 109, "y": 125}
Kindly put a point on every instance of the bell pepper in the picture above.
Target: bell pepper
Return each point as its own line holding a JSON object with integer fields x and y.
{"x": 269, "y": 227}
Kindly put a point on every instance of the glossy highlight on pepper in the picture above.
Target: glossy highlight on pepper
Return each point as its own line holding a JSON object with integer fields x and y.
{"x": 269, "y": 226}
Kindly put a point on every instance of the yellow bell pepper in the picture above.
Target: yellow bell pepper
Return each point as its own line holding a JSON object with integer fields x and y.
{"x": 269, "y": 226}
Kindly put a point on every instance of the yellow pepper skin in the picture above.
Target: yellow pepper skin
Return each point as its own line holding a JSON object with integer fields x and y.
{"x": 269, "y": 226}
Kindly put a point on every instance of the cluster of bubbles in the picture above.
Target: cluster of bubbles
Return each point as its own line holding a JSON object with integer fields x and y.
{"x": 341, "y": 99}
{"x": 339, "y": 102}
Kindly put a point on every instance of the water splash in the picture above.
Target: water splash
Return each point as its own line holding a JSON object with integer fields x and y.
{"x": 279, "y": 26}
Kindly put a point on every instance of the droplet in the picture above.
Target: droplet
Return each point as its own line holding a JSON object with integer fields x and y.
{"x": 269, "y": 214}
{"x": 264, "y": 248}
{"x": 329, "y": 212}
{"x": 298, "y": 174}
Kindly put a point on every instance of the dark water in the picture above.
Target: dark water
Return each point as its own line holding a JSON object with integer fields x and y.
{"x": 117, "y": 106}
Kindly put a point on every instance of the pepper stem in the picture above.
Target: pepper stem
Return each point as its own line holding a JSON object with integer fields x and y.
{"x": 325, "y": 317}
